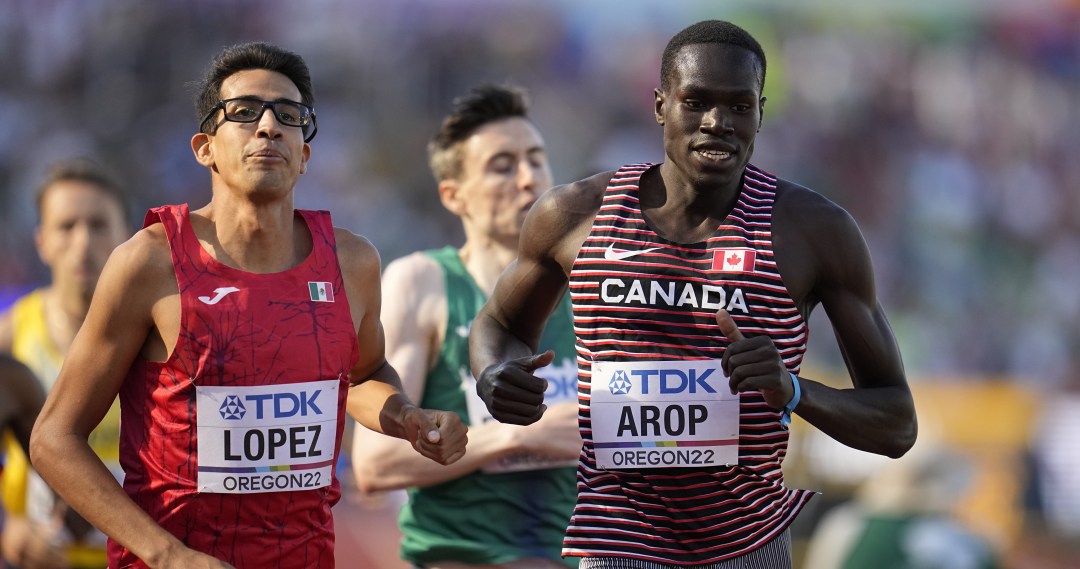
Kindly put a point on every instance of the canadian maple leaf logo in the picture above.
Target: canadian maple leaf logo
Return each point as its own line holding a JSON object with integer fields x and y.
{"x": 739, "y": 260}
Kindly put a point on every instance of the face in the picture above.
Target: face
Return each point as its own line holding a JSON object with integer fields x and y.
{"x": 80, "y": 226}
{"x": 504, "y": 170}
{"x": 711, "y": 112}
{"x": 262, "y": 158}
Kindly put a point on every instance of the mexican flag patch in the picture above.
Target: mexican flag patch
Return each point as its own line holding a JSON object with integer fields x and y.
{"x": 321, "y": 292}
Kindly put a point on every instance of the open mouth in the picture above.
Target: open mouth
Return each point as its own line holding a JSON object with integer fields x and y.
{"x": 716, "y": 156}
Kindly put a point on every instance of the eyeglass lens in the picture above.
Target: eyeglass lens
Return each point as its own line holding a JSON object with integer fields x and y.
{"x": 249, "y": 110}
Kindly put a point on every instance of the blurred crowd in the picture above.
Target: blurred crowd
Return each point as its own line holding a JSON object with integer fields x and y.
{"x": 948, "y": 131}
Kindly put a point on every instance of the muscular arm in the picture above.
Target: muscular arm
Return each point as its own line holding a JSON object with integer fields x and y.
{"x": 376, "y": 398}
{"x": 137, "y": 277}
{"x": 507, "y": 330}
{"x": 414, "y": 310}
{"x": 877, "y": 413}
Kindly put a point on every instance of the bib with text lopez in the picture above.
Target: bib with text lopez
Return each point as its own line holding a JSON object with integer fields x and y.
{"x": 268, "y": 438}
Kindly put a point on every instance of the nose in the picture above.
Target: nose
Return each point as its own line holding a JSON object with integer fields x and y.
{"x": 526, "y": 176}
{"x": 716, "y": 120}
{"x": 268, "y": 124}
{"x": 80, "y": 239}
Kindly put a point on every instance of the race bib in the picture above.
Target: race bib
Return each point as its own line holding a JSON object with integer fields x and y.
{"x": 661, "y": 414}
{"x": 268, "y": 438}
{"x": 562, "y": 387}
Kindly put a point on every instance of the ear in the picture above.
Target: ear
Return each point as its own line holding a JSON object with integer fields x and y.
{"x": 658, "y": 105}
{"x": 203, "y": 150}
{"x": 306, "y": 155}
{"x": 761, "y": 112}
{"x": 37, "y": 245}
{"x": 448, "y": 195}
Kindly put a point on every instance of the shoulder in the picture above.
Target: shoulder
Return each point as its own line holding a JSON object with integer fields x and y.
{"x": 137, "y": 275}
{"x": 565, "y": 207}
{"x": 560, "y": 220}
{"x": 355, "y": 252}
{"x": 819, "y": 221}
{"x": 413, "y": 269}
{"x": 811, "y": 206}
{"x": 415, "y": 277}
{"x": 816, "y": 241}
{"x": 146, "y": 254}
{"x": 578, "y": 199}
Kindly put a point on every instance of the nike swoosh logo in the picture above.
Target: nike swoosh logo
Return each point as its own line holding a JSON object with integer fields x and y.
{"x": 222, "y": 292}
{"x": 612, "y": 255}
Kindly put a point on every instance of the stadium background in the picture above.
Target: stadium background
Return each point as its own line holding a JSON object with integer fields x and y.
{"x": 948, "y": 129}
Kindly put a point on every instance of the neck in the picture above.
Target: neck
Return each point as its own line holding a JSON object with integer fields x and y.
{"x": 255, "y": 237}
{"x": 485, "y": 260}
{"x": 682, "y": 211}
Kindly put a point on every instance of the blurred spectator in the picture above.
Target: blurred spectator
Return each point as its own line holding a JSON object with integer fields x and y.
{"x": 82, "y": 217}
{"x": 901, "y": 519}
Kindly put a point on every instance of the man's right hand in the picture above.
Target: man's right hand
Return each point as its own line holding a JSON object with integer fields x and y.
{"x": 511, "y": 392}
{"x": 438, "y": 435}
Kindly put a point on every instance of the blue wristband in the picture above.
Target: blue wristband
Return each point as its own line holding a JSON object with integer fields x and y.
{"x": 785, "y": 419}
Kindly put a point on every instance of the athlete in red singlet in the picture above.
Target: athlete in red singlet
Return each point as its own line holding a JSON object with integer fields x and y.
{"x": 233, "y": 334}
{"x": 691, "y": 283}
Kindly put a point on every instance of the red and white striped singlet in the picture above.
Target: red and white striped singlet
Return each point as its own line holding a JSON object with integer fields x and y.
{"x": 638, "y": 297}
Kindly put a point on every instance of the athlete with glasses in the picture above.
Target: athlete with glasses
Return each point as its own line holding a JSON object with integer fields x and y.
{"x": 250, "y": 109}
{"x": 233, "y": 334}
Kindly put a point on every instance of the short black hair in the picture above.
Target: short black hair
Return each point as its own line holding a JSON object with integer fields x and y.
{"x": 84, "y": 170}
{"x": 708, "y": 31}
{"x": 484, "y": 104}
{"x": 244, "y": 56}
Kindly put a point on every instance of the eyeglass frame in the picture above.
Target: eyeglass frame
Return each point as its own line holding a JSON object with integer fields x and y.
{"x": 264, "y": 105}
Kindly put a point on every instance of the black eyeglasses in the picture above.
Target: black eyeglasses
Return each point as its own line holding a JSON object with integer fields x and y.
{"x": 250, "y": 109}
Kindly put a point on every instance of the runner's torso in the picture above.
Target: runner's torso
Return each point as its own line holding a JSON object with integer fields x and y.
{"x": 676, "y": 469}
{"x": 513, "y": 509}
{"x": 230, "y": 444}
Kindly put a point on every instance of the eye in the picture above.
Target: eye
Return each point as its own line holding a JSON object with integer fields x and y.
{"x": 741, "y": 108}
{"x": 502, "y": 165}
{"x": 695, "y": 104}
{"x": 244, "y": 111}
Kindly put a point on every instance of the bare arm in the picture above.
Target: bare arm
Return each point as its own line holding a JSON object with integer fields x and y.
{"x": 878, "y": 413}
{"x": 414, "y": 313}
{"x": 824, "y": 259}
{"x": 137, "y": 277}
{"x": 507, "y": 330}
{"x": 376, "y": 398}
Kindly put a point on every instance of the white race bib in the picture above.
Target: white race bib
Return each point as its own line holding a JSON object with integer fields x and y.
{"x": 267, "y": 438}
{"x": 655, "y": 414}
